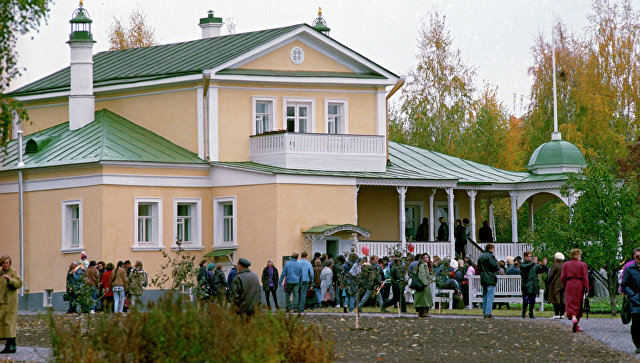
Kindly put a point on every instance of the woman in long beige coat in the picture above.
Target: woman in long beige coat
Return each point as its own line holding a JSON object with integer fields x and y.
{"x": 9, "y": 284}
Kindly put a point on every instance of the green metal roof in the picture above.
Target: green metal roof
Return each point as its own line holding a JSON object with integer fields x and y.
{"x": 161, "y": 61}
{"x": 108, "y": 138}
{"x": 556, "y": 152}
{"x": 262, "y": 72}
{"x": 219, "y": 253}
{"x": 413, "y": 163}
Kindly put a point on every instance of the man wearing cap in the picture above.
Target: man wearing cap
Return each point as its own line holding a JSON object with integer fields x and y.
{"x": 556, "y": 287}
{"x": 245, "y": 289}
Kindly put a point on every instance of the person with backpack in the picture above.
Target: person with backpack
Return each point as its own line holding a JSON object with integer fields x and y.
{"x": 137, "y": 281}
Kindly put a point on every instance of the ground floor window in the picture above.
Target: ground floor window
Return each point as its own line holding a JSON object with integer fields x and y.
{"x": 188, "y": 217}
{"x": 148, "y": 222}
{"x": 72, "y": 225}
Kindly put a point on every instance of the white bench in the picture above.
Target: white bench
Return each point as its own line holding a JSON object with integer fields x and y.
{"x": 448, "y": 296}
{"x": 508, "y": 289}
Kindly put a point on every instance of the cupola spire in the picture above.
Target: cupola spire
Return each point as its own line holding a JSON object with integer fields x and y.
{"x": 320, "y": 24}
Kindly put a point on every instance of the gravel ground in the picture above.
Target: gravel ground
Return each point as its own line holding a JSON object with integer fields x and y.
{"x": 386, "y": 337}
{"x": 609, "y": 331}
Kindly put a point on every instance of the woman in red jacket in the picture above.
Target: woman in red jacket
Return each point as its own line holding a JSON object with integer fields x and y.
{"x": 107, "y": 294}
{"x": 576, "y": 282}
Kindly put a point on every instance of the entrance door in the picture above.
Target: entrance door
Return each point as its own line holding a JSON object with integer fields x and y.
{"x": 332, "y": 247}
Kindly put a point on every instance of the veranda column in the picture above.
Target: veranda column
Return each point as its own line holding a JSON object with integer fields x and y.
{"x": 531, "y": 214}
{"x": 355, "y": 238}
{"x": 432, "y": 216}
{"x": 514, "y": 216}
{"x": 491, "y": 220}
{"x": 472, "y": 212}
{"x": 451, "y": 221}
{"x": 402, "y": 191}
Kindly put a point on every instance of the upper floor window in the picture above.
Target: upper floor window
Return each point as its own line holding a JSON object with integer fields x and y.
{"x": 263, "y": 114}
{"x": 336, "y": 117}
{"x": 225, "y": 221}
{"x": 148, "y": 223}
{"x": 72, "y": 226}
{"x": 188, "y": 221}
{"x": 299, "y": 115}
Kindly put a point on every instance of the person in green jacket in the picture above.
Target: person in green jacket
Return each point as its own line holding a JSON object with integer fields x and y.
{"x": 529, "y": 270}
{"x": 422, "y": 299}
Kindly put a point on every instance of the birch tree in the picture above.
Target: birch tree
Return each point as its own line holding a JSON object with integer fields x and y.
{"x": 137, "y": 34}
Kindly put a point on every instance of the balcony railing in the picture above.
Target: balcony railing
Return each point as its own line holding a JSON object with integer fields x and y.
{"x": 320, "y": 151}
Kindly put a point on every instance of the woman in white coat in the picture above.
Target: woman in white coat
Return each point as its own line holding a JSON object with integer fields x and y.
{"x": 326, "y": 281}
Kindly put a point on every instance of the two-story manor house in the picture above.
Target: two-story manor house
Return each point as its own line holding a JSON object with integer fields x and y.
{"x": 249, "y": 145}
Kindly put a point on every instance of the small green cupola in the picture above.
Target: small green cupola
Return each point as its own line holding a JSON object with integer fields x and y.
{"x": 556, "y": 156}
{"x": 320, "y": 24}
{"x": 80, "y": 26}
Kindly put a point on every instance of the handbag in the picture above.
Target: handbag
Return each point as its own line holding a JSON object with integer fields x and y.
{"x": 625, "y": 314}
{"x": 416, "y": 284}
{"x": 327, "y": 296}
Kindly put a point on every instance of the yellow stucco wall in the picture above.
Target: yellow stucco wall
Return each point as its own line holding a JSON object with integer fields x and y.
{"x": 303, "y": 206}
{"x": 235, "y": 112}
{"x": 279, "y": 59}
{"x": 170, "y": 112}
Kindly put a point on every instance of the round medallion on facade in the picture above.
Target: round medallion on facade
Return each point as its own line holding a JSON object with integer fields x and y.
{"x": 296, "y": 55}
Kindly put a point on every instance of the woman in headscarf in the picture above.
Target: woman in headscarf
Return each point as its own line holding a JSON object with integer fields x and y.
{"x": 556, "y": 287}
{"x": 422, "y": 299}
{"x": 576, "y": 282}
{"x": 326, "y": 279}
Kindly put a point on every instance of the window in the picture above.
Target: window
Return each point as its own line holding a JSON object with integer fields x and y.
{"x": 47, "y": 298}
{"x": 336, "y": 116}
{"x": 188, "y": 219}
{"x": 72, "y": 226}
{"x": 298, "y": 114}
{"x": 148, "y": 224}
{"x": 263, "y": 114}
{"x": 225, "y": 221}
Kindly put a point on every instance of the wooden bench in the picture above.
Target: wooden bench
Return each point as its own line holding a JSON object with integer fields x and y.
{"x": 508, "y": 289}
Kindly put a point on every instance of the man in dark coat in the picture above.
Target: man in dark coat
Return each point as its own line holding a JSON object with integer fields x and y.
{"x": 443, "y": 230}
{"x": 631, "y": 288}
{"x": 486, "y": 236}
{"x": 423, "y": 230}
{"x": 397, "y": 286}
{"x": 529, "y": 270}
{"x": 488, "y": 269}
{"x": 245, "y": 289}
{"x": 219, "y": 284}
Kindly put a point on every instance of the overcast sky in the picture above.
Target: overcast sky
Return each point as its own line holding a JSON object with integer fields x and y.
{"x": 494, "y": 36}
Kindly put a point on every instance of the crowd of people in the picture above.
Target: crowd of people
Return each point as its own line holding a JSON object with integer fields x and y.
{"x": 95, "y": 286}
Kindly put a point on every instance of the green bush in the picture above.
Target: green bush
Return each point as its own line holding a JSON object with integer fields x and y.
{"x": 177, "y": 331}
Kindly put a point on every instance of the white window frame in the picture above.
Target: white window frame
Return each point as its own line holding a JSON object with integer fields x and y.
{"x": 66, "y": 230}
{"x": 456, "y": 212}
{"x": 345, "y": 114}
{"x": 156, "y": 244}
{"x": 274, "y": 107}
{"x": 196, "y": 225}
{"x": 311, "y": 128}
{"x": 218, "y": 221}
{"x": 47, "y": 298}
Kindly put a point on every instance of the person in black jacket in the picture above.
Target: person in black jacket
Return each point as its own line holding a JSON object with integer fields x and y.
{"x": 488, "y": 269}
{"x": 443, "y": 230}
{"x": 631, "y": 288}
{"x": 219, "y": 285}
{"x": 270, "y": 283}
{"x": 529, "y": 270}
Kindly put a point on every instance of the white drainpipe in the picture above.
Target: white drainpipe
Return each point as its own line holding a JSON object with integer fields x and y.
{"x": 21, "y": 211}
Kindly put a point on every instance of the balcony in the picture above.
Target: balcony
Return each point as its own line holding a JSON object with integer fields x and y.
{"x": 320, "y": 151}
